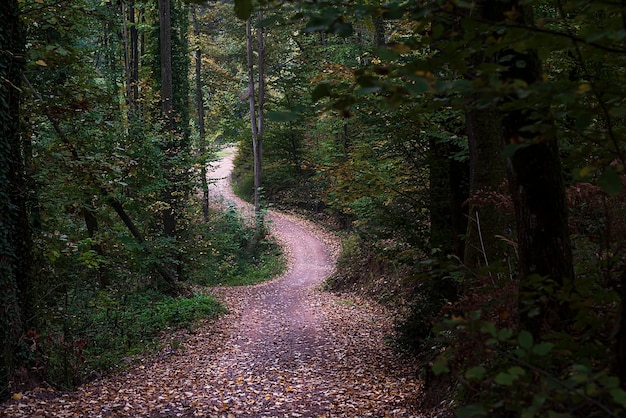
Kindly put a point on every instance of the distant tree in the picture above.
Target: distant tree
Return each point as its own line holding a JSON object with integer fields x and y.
{"x": 200, "y": 111}
{"x": 257, "y": 102}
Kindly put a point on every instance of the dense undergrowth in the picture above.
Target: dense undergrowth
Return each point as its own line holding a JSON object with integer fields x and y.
{"x": 90, "y": 330}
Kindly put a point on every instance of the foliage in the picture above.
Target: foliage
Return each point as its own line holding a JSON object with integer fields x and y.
{"x": 229, "y": 253}
{"x": 97, "y": 330}
{"x": 441, "y": 59}
{"x": 510, "y": 372}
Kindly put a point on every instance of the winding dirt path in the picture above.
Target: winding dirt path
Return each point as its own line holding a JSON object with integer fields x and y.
{"x": 286, "y": 349}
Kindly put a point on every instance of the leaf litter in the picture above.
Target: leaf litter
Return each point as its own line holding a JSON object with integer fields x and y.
{"x": 285, "y": 349}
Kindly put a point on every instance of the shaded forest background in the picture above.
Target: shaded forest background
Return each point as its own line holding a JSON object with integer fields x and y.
{"x": 471, "y": 154}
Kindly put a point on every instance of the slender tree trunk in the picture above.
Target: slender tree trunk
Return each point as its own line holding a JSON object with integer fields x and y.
{"x": 620, "y": 338}
{"x": 165, "y": 39}
{"x": 127, "y": 56}
{"x": 258, "y": 147}
{"x": 379, "y": 32}
{"x": 134, "y": 56}
{"x": 200, "y": 110}
{"x": 91, "y": 222}
{"x": 253, "y": 118}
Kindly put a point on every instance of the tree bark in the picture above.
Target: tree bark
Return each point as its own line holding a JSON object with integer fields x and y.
{"x": 449, "y": 184}
{"x": 258, "y": 147}
{"x": 16, "y": 246}
{"x": 200, "y": 109}
{"x": 165, "y": 49}
{"x": 253, "y": 117}
{"x": 167, "y": 111}
{"x": 537, "y": 189}
{"x": 379, "y": 32}
{"x": 134, "y": 56}
{"x": 486, "y": 175}
{"x": 91, "y": 222}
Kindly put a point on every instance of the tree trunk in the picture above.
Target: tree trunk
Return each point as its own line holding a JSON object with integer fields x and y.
{"x": 486, "y": 175}
{"x": 167, "y": 111}
{"x": 91, "y": 222}
{"x": 200, "y": 110}
{"x": 134, "y": 57}
{"x": 258, "y": 147}
{"x": 131, "y": 55}
{"x": 114, "y": 203}
{"x": 127, "y": 56}
{"x": 253, "y": 117}
{"x": 620, "y": 338}
{"x": 379, "y": 32}
{"x": 536, "y": 183}
{"x": 448, "y": 191}
{"x": 538, "y": 193}
{"x": 16, "y": 256}
{"x": 165, "y": 49}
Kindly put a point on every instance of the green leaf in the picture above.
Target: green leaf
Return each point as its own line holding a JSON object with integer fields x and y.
{"x": 504, "y": 334}
{"x": 475, "y": 373}
{"x": 509, "y": 377}
{"x": 368, "y": 90}
{"x": 243, "y": 9}
{"x": 525, "y": 340}
{"x": 542, "y": 349}
{"x": 440, "y": 366}
{"x": 619, "y": 396}
{"x": 488, "y": 328}
{"x": 517, "y": 370}
{"x": 610, "y": 182}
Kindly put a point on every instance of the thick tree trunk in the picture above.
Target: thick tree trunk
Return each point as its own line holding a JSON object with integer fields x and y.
{"x": 16, "y": 257}
{"x": 486, "y": 175}
{"x": 538, "y": 193}
{"x": 448, "y": 191}
{"x": 167, "y": 110}
{"x": 536, "y": 183}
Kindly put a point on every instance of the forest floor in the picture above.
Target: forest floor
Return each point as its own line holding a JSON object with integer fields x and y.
{"x": 285, "y": 349}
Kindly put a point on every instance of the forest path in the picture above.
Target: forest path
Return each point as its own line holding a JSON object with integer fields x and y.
{"x": 285, "y": 349}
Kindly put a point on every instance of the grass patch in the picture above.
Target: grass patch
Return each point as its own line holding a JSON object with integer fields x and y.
{"x": 115, "y": 327}
{"x": 230, "y": 252}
